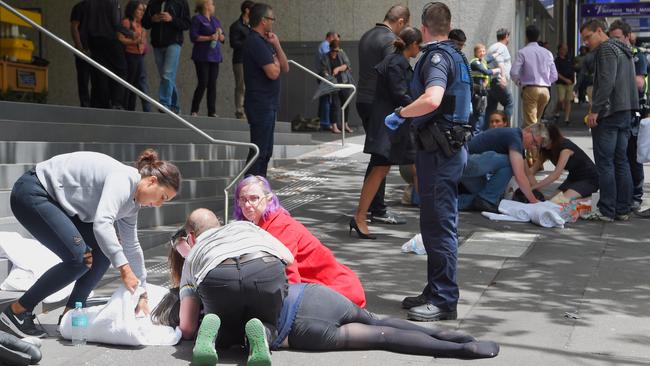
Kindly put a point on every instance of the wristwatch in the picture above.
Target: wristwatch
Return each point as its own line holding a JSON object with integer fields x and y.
{"x": 398, "y": 111}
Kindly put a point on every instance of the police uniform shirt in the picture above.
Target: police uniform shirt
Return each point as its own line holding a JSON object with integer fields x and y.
{"x": 640, "y": 64}
{"x": 437, "y": 69}
{"x": 499, "y": 140}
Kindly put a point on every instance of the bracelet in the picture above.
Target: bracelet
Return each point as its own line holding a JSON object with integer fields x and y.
{"x": 398, "y": 111}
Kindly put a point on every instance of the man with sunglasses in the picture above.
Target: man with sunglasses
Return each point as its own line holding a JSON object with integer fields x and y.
{"x": 440, "y": 115}
{"x": 236, "y": 271}
{"x": 264, "y": 61}
{"x": 615, "y": 98}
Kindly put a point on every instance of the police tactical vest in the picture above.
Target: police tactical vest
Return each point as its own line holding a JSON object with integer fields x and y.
{"x": 636, "y": 54}
{"x": 477, "y": 74}
{"x": 456, "y": 103}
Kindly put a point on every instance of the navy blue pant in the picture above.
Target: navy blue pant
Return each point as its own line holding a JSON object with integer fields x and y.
{"x": 136, "y": 75}
{"x": 635, "y": 168}
{"x": 65, "y": 236}
{"x": 438, "y": 178}
{"x": 262, "y": 125}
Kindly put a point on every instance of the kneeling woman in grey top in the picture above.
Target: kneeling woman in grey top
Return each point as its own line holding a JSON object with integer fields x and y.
{"x": 72, "y": 204}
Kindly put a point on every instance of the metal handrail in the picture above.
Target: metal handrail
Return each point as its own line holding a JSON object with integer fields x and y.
{"x": 147, "y": 98}
{"x": 340, "y": 86}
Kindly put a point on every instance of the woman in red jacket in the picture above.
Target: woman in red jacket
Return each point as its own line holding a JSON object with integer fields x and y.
{"x": 313, "y": 261}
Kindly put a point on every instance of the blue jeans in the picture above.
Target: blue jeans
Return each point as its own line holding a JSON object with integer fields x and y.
{"x": 262, "y": 125}
{"x": 475, "y": 178}
{"x": 324, "y": 112}
{"x": 65, "y": 236}
{"x": 498, "y": 94}
{"x": 610, "y": 139}
{"x": 438, "y": 178}
{"x": 167, "y": 63}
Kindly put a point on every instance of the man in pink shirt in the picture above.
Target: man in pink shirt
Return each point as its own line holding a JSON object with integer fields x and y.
{"x": 534, "y": 71}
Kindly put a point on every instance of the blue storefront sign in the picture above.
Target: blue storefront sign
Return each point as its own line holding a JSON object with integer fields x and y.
{"x": 615, "y": 10}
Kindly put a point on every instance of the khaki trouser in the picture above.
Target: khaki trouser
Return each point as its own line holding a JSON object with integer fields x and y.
{"x": 534, "y": 99}
{"x": 238, "y": 70}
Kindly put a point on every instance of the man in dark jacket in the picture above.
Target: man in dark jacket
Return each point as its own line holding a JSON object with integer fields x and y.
{"x": 239, "y": 30}
{"x": 101, "y": 25}
{"x": 615, "y": 98}
{"x": 167, "y": 21}
{"x": 374, "y": 46}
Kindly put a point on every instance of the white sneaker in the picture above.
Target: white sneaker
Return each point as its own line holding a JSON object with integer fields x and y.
{"x": 597, "y": 216}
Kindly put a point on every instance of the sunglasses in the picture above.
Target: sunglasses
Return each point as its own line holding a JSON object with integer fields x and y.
{"x": 179, "y": 234}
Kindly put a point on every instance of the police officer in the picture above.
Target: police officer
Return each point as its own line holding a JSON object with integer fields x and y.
{"x": 439, "y": 116}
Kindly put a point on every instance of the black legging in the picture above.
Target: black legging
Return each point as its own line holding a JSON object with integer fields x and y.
{"x": 206, "y": 75}
{"x": 328, "y": 321}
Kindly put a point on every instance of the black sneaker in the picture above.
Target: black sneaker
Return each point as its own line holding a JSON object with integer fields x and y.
{"x": 413, "y": 301}
{"x": 388, "y": 218}
{"x": 21, "y": 325}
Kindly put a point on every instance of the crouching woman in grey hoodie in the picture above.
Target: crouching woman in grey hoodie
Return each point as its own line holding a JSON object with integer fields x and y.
{"x": 72, "y": 204}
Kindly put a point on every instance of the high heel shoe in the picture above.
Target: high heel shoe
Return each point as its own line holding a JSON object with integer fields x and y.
{"x": 353, "y": 225}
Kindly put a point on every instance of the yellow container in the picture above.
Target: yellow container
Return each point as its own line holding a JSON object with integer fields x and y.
{"x": 16, "y": 49}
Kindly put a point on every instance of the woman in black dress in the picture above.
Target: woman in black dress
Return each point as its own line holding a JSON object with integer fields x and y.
{"x": 565, "y": 155}
{"x": 387, "y": 148}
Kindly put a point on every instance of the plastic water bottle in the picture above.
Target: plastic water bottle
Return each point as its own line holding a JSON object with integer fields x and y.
{"x": 79, "y": 325}
{"x": 415, "y": 245}
{"x": 213, "y": 44}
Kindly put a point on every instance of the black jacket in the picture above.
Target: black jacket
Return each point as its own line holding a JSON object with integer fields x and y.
{"x": 614, "y": 79}
{"x": 238, "y": 33}
{"x": 393, "y": 75}
{"x": 101, "y": 19}
{"x": 374, "y": 46}
{"x": 165, "y": 34}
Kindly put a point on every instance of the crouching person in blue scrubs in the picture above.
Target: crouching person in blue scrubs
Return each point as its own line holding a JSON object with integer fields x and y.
{"x": 72, "y": 204}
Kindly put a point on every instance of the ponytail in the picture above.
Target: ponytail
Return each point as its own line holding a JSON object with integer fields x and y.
{"x": 407, "y": 37}
{"x": 167, "y": 173}
{"x": 400, "y": 45}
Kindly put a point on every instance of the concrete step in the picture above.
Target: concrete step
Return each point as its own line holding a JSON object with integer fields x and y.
{"x": 190, "y": 188}
{"x": 197, "y": 169}
{"x": 32, "y": 152}
{"x": 67, "y": 114}
{"x": 81, "y": 132}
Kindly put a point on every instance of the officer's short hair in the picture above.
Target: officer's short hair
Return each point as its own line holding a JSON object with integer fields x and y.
{"x": 539, "y": 129}
{"x": 593, "y": 25}
{"x": 436, "y": 16}
{"x": 502, "y": 33}
{"x": 619, "y": 24}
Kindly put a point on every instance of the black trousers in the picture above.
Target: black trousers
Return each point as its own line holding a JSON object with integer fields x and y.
{"x": 377, "y": 206}
{"x": 206, "y": 76}
{"x": 83, "y": 80}
{"x": 105, "y": 92}
{"x": 239, "y": 292}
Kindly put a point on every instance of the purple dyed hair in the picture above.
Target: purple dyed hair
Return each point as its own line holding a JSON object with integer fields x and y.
{"x": 271, "y": 207}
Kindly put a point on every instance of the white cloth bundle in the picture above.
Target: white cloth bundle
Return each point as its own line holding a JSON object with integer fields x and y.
{"x": 545, "y": 214}
{"x": 643, "y": 142}
{"x": 117, "y": 323}
{"x": 29, "y": 259}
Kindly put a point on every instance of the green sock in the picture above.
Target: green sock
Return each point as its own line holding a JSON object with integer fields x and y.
{"x": 204, "y": 353}
{"x": 259, "y": 347}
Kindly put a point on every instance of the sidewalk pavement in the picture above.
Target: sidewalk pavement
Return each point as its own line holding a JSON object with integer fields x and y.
{"x": 572, "y": 296}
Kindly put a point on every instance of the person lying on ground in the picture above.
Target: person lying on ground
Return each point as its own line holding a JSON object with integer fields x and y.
{"x": 316, "y": 318}
{"x": 256, "y": 202}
